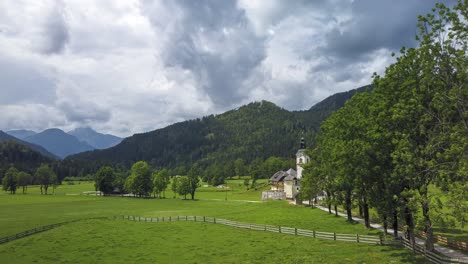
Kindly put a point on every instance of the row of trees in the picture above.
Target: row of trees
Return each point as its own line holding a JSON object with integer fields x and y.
{"x": 142, "y": 182}
{"x": 385, "y": 148}
{"x": 43, "y": 176}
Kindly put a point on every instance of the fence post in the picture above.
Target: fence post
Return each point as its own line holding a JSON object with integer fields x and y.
{"x": 265, "y": 227}
{"x": 214, "y": 220}
{"x": 334, "y": 236}
{"x": 357, "y": 238}
{"x": 295, "y": 231}
{"x": 178, "y": 218}
{"x": 204, "y": 219}
{"x": 279, "y": 229}
{"x": 313, "y": 232}
{"x": 381, "y": 239}
{"x": 170, "y": 219}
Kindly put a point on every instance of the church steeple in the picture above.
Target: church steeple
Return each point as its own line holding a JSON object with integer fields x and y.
{"x": 303, "y": 144}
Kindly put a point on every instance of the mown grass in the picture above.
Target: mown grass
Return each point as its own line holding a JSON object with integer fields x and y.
{"x": 122, "y": 241}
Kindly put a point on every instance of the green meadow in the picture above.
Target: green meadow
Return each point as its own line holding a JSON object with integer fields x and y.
{"x": 119, "y": 241}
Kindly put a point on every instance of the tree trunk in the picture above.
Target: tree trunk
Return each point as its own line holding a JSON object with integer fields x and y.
{"x": 366, "y": 213}
{"x": 395, "y": 223}
{"x": 348, "y": 206}
{"x": 336, "y": 210}
{"x": 329, "y": 202}
{"x": 329, "y": 208}
{"x": 409, "y": 223}
{"x": 361, "y": 209}
{"x": 193, "y": 195}
{"x": 428, "y": 226}
{"x": 41, "y": 189}
{"x": 24, "y": 187}
{"x": 385, "y": 224}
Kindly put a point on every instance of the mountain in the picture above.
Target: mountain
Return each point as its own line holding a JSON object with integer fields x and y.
{"x": 4, "y": 137}
{"x": 21, "y": 133}
{"x": 21, "y": 156}
{"x": 58, "y": 142}
{"x": 95, "y": 139}
{"x": 254, "y": 131}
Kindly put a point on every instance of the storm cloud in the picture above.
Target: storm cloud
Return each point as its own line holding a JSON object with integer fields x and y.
{"x": 127, "y": 67}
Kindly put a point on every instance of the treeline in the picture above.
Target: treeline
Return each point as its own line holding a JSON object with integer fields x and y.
{"x": 142, "y": 181}
{"x": 385, "y": 148}
{"x": 43, "y": 176}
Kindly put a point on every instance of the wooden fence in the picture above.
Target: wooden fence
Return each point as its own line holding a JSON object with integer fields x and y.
{"x": 40, "y": 229}
{"x": 367, "y": 239}
{"x": 447, "y": 241}
{"x": 431, "y": 256}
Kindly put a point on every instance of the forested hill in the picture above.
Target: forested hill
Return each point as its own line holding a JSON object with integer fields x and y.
{"x": 21, "y": 156}
{"x": 257, "y": 130}
{"x": 4, "y": 137}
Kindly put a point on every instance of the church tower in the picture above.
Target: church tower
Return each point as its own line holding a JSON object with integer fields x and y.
{"x": 301, "y": 158}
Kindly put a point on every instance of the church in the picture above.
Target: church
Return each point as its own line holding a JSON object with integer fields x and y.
{"x": 287, "y": 184}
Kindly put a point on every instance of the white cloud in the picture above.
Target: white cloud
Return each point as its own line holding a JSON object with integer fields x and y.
{"x": 131, "y": 66}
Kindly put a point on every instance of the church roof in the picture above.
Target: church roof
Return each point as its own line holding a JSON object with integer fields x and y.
{"x": 301, "y": 152}
{"x": 284, "y": 175}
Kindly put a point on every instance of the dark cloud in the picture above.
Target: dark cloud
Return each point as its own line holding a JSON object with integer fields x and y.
{"x": 375, "y": 25}
{"x": 56, "y": 34}
{"x": 212, "y": 39}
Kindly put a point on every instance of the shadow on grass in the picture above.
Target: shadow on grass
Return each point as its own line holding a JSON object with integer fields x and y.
{"x": 404, "y": 254}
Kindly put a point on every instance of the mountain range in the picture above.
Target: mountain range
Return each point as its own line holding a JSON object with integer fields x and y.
{"x": 58, "y": 143}
{"x": 254, "y": 131}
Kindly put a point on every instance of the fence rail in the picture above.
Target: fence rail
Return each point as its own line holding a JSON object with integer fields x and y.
{"x": 366, "y": 239}
{"x": 431, "y": 256}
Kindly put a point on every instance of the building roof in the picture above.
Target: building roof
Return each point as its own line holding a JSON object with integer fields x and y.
{"x": 291, "y": 175}
{"x": 281, "y": 176}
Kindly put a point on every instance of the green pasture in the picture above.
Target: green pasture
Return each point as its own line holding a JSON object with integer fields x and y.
{"x": 123, "y": 241}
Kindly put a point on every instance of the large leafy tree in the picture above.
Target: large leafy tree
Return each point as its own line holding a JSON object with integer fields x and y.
{"x": 10, "y": 180}
{"x": 160, "y": 182}
{"x": 105, "y": 178}
{"x": 45, "y": 177}
{"x": 24, "y": 179}
{"x": 193, "y": 180}
{"x": 139, "y": 182}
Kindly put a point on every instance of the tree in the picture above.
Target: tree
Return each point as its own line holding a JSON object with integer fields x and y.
{"x": 183, "y": 186}
{"x": 24, "y": 179}
{"x": 10, "y": 180}
{"x": 193, "y": 180}
{"x": 45, "y": 177}
{"x": 139, "y": 182}
{"x": 239, "y": 167}
{"x": 174, "y": 185}
{"x": 105, "y": 178}
{"x": 160, "y": 182}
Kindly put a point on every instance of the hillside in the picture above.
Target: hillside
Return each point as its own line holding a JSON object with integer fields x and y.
{"x": 21, "y": 156}
{"x": 21, "y": 133}
{"x": 256, "y": 130}
{"x": 95, "y": 139}
{"x": 4, "y": 137}
{"x": 58, "y": 142}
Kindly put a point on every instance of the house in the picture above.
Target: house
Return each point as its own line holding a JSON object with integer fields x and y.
{"x": 287, "y": 184}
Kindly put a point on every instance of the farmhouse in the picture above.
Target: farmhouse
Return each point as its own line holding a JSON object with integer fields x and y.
{"x": 287, "y": 184}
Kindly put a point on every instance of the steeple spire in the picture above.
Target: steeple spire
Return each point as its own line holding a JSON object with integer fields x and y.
{"x": 303, "y": 144}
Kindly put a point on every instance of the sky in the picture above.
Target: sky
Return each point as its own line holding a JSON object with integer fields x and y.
{"x": 131, "y": 66}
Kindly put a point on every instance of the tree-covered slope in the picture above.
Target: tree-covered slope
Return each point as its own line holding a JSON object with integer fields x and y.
{"x": 21, "y": 156}
{"x": 4, "y": 137}
{"x": 257, "y": 130}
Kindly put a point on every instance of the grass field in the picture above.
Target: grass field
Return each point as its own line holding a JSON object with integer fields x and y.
{"x": 110, "y": 240}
